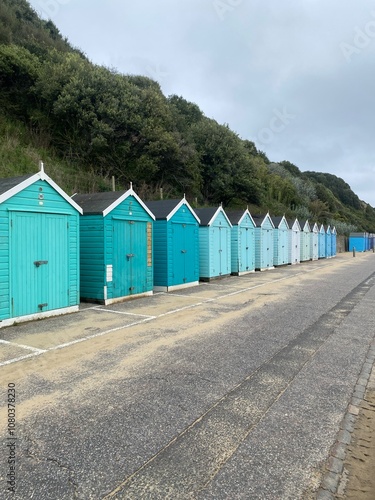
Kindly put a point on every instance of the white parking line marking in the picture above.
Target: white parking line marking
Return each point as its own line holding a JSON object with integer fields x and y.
{"x": 122, "y": 312}
{"x": 40, "y": 351}
{"x": 21, "y": 358}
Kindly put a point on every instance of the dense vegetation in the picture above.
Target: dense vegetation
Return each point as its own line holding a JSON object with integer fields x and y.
{"x": 89, "y": 122}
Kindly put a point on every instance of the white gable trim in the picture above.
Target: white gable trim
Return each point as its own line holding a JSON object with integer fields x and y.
{"x": 42, "y": 176}
{"x": 179, "y": 205}
{"x": 123, "y": 197}
{"x": 246, "y": 212}
{"x": 220, "y": 209}
{"x": 267, "y": 216}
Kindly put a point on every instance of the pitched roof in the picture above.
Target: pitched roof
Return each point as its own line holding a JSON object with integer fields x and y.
{"x": 165, "y": 209}
{"x": 208, "y": 214}
{"x": 104, "y": 203}
{"x": 259, "y": 219}
{"x": 11, "y": 182}
{"x": 13, "y": 185}
{"x": 96, "y": 203}
{"x": 278, "y": 219}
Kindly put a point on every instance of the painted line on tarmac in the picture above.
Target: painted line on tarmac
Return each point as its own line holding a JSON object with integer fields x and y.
{"x": 22, "y": 346}
{"x": 123, "y": 312}
{"x": 38, "y": 352}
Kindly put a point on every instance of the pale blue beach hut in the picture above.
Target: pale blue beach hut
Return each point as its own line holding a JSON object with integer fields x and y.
{"x": 242, "y": 242}
{"x": 263, "y": 242}
{"x": 322, "y": 242}
{"x": 214, "y": 243}
{"x": 294, "y": 253}
{"x": 280, "y": 241}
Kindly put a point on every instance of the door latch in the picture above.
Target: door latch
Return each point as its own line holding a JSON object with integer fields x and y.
{"x": 40, "y": 262}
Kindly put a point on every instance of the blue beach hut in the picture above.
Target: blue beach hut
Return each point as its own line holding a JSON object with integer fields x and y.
{"x": 39, "y": 251}
{"x": 305, "y": 242}
{"x": 116, "y": 246}
{"x": 176, "y": 244}
{"x": 214, "y": 243}
{"x": 328, "y": 242}
{"x": 322, "y": 242}
{"x": 280, "y": 241}
{"x": 242, "y": 242}
{"x": 314, "y": 241}
{"x": 357, "y": 241}
{"x": 294, "y": 243}
{"x": 263, "y": 242}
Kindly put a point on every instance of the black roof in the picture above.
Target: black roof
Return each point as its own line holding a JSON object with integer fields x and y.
{"x": 291, "y": 222}
{"x": 162, "y": 208}
{"x": 235, "y": 216}
{"x": 258, "y": 219}
{"x": 11, "y": 182}
{"x": 96, "y": 203}
{"x": 276, "y": 220}
{"x": 205, "y": 214}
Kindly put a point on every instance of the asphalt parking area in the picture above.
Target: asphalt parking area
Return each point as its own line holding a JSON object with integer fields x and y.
{"x": 31, "y": 339}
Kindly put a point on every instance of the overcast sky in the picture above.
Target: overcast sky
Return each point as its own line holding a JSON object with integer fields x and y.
{"x": 297, "y": 77}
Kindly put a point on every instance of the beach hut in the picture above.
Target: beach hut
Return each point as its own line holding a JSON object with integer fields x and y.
{"x": 322, "y": 242}
{"x": 263, "y": 242}
{"x": 314, "y": 241}
{"x": 39, "y": 251}
{"x": 305, "y": 250}
{"x": 358, "y": 241}
{"x": 214, "y": 243}
{"x": 294, "y": 243}
{"x": 280, "y": 241}
{"x": 176, "y": 244}
{"x": 333, "y": 242}
{"x": 328, "y": 242}
{"x": 116, "y": 246}
{"x": 242, "y": 242}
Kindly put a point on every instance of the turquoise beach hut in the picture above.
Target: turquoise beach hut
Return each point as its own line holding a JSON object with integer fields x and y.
{"x": 322, "y": 242}
{"x": 116, "y": 246}
{"x": 242, "y": 242}
{"x": 176, "y": 244}
{"x": 39, "y": 251}
{"x": 263, "y": 242}
{"x": 280, "y": 241}
{"x": 305, "y": 242}
{"x": 294, "y": 243}
{"x": 314, "y": 241}
{"x": 328, "y": 242}
{"x": 214, "y": 243}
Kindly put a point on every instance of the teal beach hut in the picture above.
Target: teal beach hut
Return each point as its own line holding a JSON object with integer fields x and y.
{"x": 116, "y": 246}
{"x": 294, "y": 254}
{"x": 242, "y": 242}
{"x": 314, "y": 241}
{"x": 39, "y": 251}
{"x": 305, "y": 242}
{"x": 214, "y": 243}
{"x": 176, "y": 244}
{"x": 263, "y": 242}
{"x": 280, "y": 241}
{"x": 322, "y": 242}
{"x": 328, "y": 242}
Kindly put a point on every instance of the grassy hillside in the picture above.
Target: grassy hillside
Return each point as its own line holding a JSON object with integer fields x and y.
{"x": 89, "y": 123}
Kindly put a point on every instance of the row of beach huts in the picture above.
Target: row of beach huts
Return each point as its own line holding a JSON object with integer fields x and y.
{"x": 56, "y": 250}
